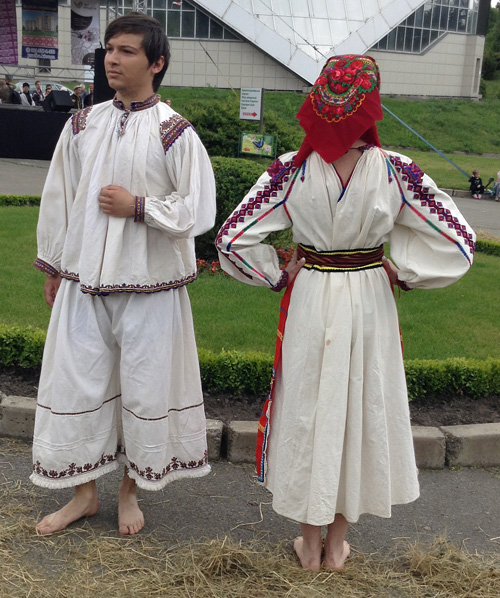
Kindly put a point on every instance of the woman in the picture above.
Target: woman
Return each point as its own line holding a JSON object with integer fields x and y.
{"x": 335, "y": 437}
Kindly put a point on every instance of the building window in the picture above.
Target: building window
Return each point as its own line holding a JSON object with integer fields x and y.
{"x": 429, "y": 23}
{"x": 181, "y": 18}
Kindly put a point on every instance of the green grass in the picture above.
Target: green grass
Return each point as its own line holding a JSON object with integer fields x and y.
{"x": 459, "y": 321}
{"x": 21, "y": 295}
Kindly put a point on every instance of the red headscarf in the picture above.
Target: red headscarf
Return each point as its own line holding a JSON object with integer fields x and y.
{"x": 341, "y": 108}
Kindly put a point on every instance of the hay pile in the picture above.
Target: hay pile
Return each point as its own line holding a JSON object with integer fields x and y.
{"x": 81, "y": 563}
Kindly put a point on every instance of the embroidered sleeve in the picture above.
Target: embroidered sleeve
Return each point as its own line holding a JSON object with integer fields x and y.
{"x": 79, "y": 120}
{"x": 139, "y": 209}
{"x": 45, "y": 268}
{"x": 172, "y": 129}
{"x": 188, "y": 209}
{"x": 239, "y": 241}
{"x": 431, "y": 243}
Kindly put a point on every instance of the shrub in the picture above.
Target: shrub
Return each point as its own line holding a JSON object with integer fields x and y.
{"x": 19, "y": 200}
{"x": 21, "y": 346}
{"x": 428, "y": 380}
{"x": 488, "y": 247}
{"x": 233, "y": 178}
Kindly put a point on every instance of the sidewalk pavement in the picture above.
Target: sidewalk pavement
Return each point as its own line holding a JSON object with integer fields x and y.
{"x": 463, "y": 503}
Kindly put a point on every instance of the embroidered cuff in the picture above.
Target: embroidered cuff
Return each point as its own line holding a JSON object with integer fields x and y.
{"x": 45, "y": 268}
{"x": 140, "y": 203}
{"x": 403, "y": 286}
{"x": 282, "y": 282}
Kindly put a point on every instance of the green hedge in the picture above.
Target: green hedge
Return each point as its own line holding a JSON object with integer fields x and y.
{"x": 489, "y": 247}
{"x": 19, "y": 200}
{"x": 249, "y": 373}
{"x": 21, "y": 346}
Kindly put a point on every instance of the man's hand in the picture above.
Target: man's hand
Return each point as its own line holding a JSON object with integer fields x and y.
{"x": 50, "y": 289}
{"x": 117, "y": 201}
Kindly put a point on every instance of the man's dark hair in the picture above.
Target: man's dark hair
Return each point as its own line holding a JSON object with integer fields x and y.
{"x": 154, "y": 42}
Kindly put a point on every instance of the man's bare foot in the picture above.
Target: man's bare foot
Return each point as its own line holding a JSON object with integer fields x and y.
{"x": 334, "y": 560}
{"x": 310, "y": 558}
{"x": 84, "y": 504}
{"x": 130, "y": 517}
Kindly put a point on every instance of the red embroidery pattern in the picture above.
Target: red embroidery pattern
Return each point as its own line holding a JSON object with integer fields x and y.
{"x": 174, "y": 465}
{"x": 79, "y": 120}
{"x": 73, "y": 468}
{"x": 412, "y": 175}
{"x": 342, "y": 86}
{"x": 279, "y": 173}
{"x": 172, "y": 129}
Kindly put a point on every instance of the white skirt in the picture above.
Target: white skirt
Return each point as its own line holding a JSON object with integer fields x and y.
{"x": 120, "y": 382}
{"x": 340, "y": 439}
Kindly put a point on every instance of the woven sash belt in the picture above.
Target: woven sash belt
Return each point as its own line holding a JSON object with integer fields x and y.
{"x": 349, "y": 260}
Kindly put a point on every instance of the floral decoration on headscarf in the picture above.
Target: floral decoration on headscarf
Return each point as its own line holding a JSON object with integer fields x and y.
{"x": 343, "y": 106}
{"x": 342, "y": 86}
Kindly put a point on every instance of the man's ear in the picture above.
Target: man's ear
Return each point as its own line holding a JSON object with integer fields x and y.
{"x": 158, "y": 65}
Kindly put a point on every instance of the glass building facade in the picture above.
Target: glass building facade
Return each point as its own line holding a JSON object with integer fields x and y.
{"x": 181, "y": 19}
{"x": 429, "y": 23}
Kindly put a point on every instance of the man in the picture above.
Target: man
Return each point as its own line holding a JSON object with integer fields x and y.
{"x": 129, "y": 187}
{"x": 89, "y": 98}
{"x": 12, "y": 96}
{"x": 26, "y": 99}
{"x": 38, "y": 95}
{"x": 76, "y": 99}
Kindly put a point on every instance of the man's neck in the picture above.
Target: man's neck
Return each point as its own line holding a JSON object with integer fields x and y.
{"x": 135, "y": 96}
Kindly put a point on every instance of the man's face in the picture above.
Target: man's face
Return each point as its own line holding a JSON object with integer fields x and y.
{"x": 127, "y": 66}
{"x": 26, "y": 88}
{"x": 37, "y": 85}
{"x": 91, "y": 88}
{"x": 48, "y": 89}
{"x": 78, "y": 91}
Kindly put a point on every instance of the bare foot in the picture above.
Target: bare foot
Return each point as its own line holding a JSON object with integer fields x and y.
{"x": 130, "y": 517}
{"x": 334, "y": 560}
{"x": 84, "y": 504}
{"x": 309, "y": 558}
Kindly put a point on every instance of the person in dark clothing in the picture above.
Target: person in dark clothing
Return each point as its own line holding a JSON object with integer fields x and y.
{"x": 76, "y": 99}
{"x": 89, "y": 98}
{"x": 476, "y": 185}
{"x": 26, "y": 99}
{"x": 38, "y": 95}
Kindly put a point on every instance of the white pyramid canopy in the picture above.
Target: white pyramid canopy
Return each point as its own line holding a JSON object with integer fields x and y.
{"x": 301, "y": 34}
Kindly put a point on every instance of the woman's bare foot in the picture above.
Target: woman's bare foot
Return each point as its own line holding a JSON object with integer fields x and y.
{"x": 84, "y": 504}
{"x": 130, "y": 517}
{"x": 334, "y": 559}
{"x": 309, "y": 556}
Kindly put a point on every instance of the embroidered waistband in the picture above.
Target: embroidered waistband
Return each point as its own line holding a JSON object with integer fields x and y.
{"x": 349, "y": 260}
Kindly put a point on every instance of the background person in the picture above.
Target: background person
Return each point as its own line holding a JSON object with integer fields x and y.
{"x": 76, "y": 99}
{"x": 38, "y": 95}
{"x": 335, "y": 439}
{"x": 476, "y": 185}
{"x": 89, "y": 98}
{"x": 129, "y": 187}
{"x": 26, "y": 99}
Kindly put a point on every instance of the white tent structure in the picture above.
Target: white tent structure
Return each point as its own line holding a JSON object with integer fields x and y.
{"x": 300, "y": 34}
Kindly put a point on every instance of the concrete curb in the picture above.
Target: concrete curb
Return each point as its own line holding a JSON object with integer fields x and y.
{"x": 470, "y": 445}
